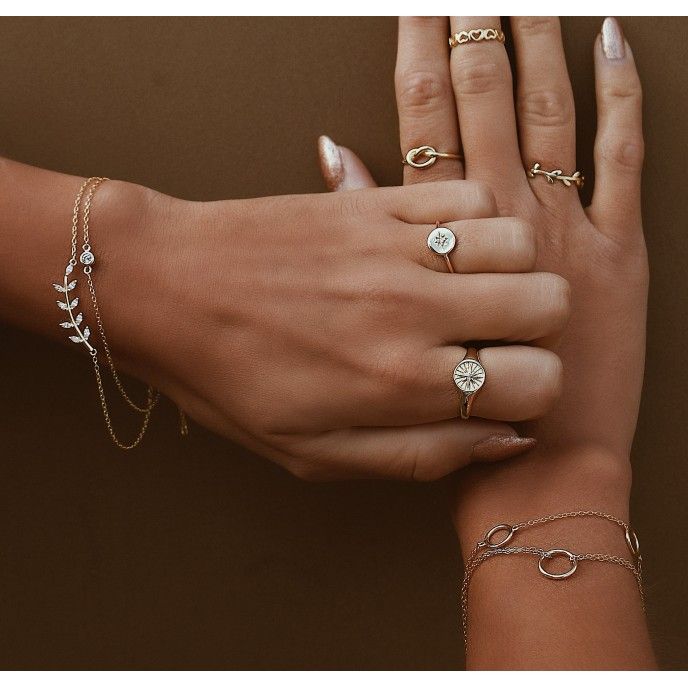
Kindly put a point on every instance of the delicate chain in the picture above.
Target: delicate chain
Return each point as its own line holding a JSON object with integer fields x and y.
{"x": 80, "y": 333}
{"x": 485, "y": 549}
{"x": 153, "y": 396}
{"x": 572, "y": 514}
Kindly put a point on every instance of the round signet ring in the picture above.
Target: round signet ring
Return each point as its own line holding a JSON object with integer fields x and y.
{"x": 442, "y": 241}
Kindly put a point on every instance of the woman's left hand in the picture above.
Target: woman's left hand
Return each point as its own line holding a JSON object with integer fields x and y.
{"x": 584, "y": 444}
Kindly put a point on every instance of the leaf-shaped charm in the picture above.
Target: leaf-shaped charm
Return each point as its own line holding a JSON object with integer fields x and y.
{"x": 71, "y": 285}
{"x": 74, "y": 338}
{"x": 87, "y": 333}
{"x": 74, "y": 303}
{"x": 78, "y": 319}
{"x": 66, "y": 325}
{"x": 59, "y": 287}
{"x": 566, "y": 182}
{"x": 68, "y": 269}
{"x": 550, "y": 180}
{"x": 62, "y": 305}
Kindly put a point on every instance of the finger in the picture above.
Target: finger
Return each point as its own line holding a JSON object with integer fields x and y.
{"x": 418, "y": 452}
{"x": 521, "y": 382}
{"x": 502, "y": 244}
{"x": 481, "y": 76}
{"x": 546, "y": 111}
{"x": 497, "y": 307}
{"x": 425, "y": 100}
{"x": 441, "y": 201}
{"x": 615, "y": 205}
{"x": 341, "y": 168}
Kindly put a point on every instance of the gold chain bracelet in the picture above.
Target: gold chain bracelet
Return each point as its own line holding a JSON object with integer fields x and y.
{"x": 82, "y": 333}
{"x": 489, "y": 547}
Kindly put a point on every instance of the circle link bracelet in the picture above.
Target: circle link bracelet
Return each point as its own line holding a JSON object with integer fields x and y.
{"x": 491, "y": 546}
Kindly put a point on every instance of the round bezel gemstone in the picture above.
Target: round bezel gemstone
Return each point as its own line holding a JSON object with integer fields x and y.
{"x": 469, "y": 376}
{"x": 87, "y": 258}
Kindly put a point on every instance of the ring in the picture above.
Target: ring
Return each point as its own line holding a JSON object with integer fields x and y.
{"x": 576, "y": 178}
{"x": 430, "y": 155}
{"x": 442, "y": 241}
{"x": 475, "y": 35}
{"x": 469, "y": 377}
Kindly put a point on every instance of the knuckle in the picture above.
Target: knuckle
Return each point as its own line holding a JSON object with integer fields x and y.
{"x": 546, "y": 107}
{"x": 623, "y": 91}
{"x": 483, "y": 197}
{"x": 421, "y": 90}
{"x": 534, "y": 26}
{"x": 626, "y": 152}
{"x": 395, "y": 371}
{"x": 521, "y": 236}
{"x": 479, "y": 78}
{"x": 551, "y": 381}
{"x": 557, "y": 293}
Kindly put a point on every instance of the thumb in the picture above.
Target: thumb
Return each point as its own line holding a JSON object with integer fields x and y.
{"x": 341, "y": 168}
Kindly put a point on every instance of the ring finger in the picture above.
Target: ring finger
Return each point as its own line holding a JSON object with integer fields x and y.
{"x": 502, "y": 244}
{"x": 521, "y": 383}
{"x": 427, "y": 114}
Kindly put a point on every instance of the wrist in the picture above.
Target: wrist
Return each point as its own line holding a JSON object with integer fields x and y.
{"x": 543, "y": 483}
{"x": 129, "y": 224}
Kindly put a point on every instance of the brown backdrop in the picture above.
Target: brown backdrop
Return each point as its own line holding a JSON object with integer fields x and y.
{"x": 198, "y": 554}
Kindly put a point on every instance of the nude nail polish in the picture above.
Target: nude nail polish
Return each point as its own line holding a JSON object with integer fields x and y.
{"x": 498, "y": 447}
{"x": 331, "y": 163}
{"x": 613, "y": 42}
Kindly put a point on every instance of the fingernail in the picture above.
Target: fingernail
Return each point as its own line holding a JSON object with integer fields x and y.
{"x": 331, "y": 163}
{"x": 613, "y": 43}
{"x": 498, "y": 447}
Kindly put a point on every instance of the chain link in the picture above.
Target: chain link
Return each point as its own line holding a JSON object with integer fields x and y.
{"x": 483, "y": 551}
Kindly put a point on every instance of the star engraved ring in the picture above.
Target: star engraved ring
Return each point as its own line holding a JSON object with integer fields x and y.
{"x": 442, "y": 241}
{"x": 469, "y": 377}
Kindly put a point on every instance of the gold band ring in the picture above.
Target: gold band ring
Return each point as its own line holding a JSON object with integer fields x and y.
{"x": 575, "y": 179}
{"x": 442, "y": 241}
{"x": 476, "y": 35}
{"x": 430, "y": 155}
{"x": 469, "y": 377}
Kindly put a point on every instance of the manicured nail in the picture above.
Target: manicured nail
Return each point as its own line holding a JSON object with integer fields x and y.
{"x": 613, "y": 43}
{"x": 330, "y": 163}
{"x": 498, "y": 447}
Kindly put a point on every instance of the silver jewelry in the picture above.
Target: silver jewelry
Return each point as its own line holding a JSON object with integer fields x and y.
{"x": 442, "y": 241}
{"x": 469, "y": 377}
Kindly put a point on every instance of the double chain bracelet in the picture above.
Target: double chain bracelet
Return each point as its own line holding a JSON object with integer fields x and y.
{"x": 496, "y": 541}
{"x": 81, "y": 333}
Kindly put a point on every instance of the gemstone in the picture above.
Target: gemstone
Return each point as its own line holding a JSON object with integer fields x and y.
{"x": 87, "y": 258}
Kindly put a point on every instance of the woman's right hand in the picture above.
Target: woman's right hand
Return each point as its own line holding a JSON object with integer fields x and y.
{"x": 322, "y": 332}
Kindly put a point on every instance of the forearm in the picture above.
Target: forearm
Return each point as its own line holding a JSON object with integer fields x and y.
{"x": 519, "y": 619}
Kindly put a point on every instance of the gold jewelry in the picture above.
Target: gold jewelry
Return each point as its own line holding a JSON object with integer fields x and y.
{"x": 430, "y": 154}
{"x": 488, "y": 547}
{"x": 469, "y": 377}
{"x": 475, "y": 35}
{"x": 576, "y": 178}
{"x": 442, "y": 241}
{"x": 83, "y": 333}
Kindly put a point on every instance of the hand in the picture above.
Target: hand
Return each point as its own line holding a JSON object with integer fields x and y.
{"x": 584, "y": 443}
{"x": 320, "y": 330}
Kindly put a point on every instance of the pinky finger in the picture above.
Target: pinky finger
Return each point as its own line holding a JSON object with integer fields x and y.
{"x": 417, "y": 452}
{"x": 615, "y": 208}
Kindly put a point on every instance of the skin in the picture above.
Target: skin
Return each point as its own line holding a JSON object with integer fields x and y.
{"x": 518, "y": 619}
{"x": 332, "y": 357}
